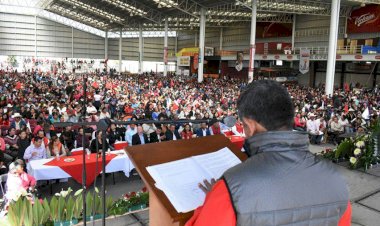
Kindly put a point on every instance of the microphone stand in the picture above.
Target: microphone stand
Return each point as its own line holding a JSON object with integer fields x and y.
{"x": 84, "y": 176}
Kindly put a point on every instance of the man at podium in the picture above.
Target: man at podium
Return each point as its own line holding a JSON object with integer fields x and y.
{"x": 282, "y": 182}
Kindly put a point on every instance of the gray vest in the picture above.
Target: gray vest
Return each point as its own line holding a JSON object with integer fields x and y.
{"x": 282, "y": 183}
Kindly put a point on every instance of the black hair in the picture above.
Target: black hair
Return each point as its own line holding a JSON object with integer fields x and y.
{"x": 268, "y": 103}
{"x": 37, "y": 138}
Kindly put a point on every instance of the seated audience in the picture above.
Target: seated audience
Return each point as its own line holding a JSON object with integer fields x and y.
{"x": 35, "y": 150}
{"x": 186, "y": 132}
{"x": 203, "y": 131}
{"x": 172, "y": 133}
{"x": 312, "y": 126}
{"x": 55, "y": 148}
{"x": 140, "y": 137}
{"x": 97, "y": 144}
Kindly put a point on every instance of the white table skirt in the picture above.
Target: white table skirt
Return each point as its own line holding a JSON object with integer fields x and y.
{"x": 40, "y": 171}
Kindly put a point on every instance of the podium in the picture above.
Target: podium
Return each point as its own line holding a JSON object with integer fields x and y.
{"x": 161, "y": 211}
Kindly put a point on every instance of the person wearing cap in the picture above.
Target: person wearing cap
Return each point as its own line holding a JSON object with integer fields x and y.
{"x": 18, "y": 122}
{"x": 312, "y": 127}
{"x": 281, "y": 182}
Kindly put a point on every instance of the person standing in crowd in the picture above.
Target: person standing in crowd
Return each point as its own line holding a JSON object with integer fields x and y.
{"x": 35, "y": 151}
{"x": 140, "y": 137}
{"x": 279, "y": 183}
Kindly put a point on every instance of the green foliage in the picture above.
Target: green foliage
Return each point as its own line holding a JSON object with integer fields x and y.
{"x": 344, "y": 149}
{"x": 130, "y": 201}
{"x": 16, "y": 212}
{"x": 89, "y": 203}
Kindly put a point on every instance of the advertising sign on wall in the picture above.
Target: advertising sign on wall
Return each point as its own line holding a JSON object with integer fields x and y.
{"x": 364, "y": 20}
{"x": 183, "y": 61}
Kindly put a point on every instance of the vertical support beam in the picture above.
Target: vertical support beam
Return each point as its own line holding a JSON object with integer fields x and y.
{"x": 141, "y": 52}
{"x": 252, "y": 47}
{"x": 334, "y": 22}
{"x": 196, "y": 39}
{"x": 106, "y": 45}
{"x": 166, "y": 48}
{"x": 176, "y": 43}
{"x": 72, "y": 42}
{"x": 375, "y": 75}
{"x": 294, "y": 30}
{"x": 342, "y": 75}
{"x": 201, "y": 45}
{"x": 35, "y": 37}
{"x": 120, "y": 49}
{"x": 221, "y": 39}
{"x": 293, "y": 37}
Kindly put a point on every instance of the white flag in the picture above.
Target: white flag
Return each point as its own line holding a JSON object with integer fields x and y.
{"x": 304, "y": 61}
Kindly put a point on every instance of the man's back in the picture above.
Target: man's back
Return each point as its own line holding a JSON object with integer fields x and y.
{"x": 285, "y": 184}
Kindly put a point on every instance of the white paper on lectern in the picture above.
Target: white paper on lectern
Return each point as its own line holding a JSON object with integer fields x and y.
{"x": 179, "y": 179}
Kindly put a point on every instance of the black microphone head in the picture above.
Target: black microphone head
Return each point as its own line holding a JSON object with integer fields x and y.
{"x": 104, "y": 123}
{"x": 229, "y": 121}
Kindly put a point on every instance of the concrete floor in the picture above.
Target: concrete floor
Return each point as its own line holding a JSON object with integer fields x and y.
{"x": 364, "y": 192}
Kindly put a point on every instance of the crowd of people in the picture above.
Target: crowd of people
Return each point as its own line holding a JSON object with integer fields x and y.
{"x": 31, "y": 102}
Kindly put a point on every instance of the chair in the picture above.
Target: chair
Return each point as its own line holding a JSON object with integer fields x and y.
{"x": 3, "y": 180}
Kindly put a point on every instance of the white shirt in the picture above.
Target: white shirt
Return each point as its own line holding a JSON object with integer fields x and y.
{"x": 313, "y": 127}
{"x": 97, "y": 97}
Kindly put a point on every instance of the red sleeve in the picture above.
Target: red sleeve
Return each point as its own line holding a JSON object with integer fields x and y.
{"x": 32, "y": 180}
{"x": 345, "y": 220}
{"x": 217, "y": 209}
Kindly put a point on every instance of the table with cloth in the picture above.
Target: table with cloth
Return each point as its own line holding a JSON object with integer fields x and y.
{"x": 236, "y": 139}
{"x": 50, "y": 169}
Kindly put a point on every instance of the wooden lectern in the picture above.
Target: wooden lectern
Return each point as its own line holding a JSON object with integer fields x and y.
{"x": 161, "y": 211}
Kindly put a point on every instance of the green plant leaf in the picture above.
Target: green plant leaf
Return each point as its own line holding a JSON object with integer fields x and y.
{"x": 78, "y": 207}
{"x": 79, "y": 192}
{"x": 89, "y": 203}
{"x": 54, "y": 208}
{"x": 70, "y": 207}
{"x": 46, "y": 210}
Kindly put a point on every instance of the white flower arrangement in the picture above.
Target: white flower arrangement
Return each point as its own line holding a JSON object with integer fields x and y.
{"x": 360, "y": 144}
{"x": 357, "y": 151}
{"x": 353, "y": 160}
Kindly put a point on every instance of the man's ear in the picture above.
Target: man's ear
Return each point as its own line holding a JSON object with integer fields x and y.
{"x": 252, "y": 127}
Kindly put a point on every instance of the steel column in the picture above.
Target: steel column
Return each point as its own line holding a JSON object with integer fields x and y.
{"x": 201, "y": 45}
{"x": 252, "y": 41}
{"x": 334, "y": 22}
